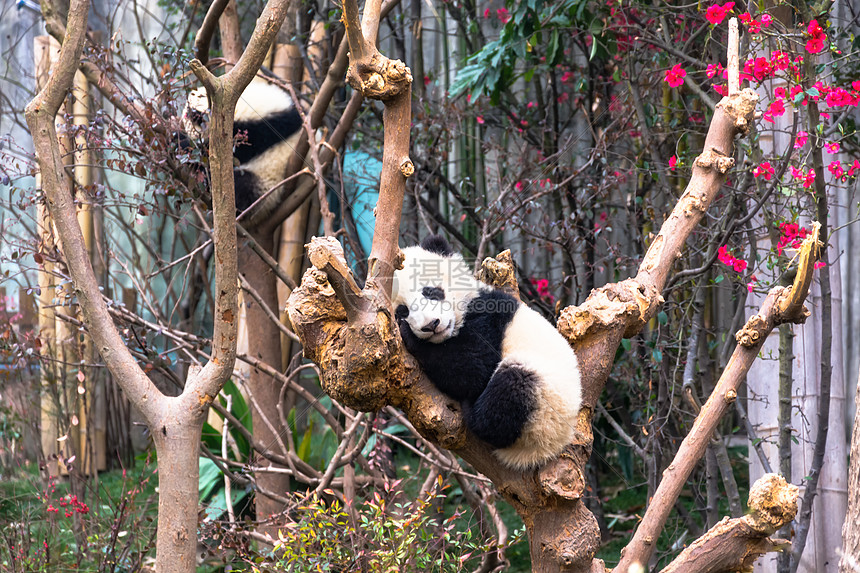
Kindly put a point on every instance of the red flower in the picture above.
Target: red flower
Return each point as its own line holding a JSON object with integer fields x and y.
{"x": 751, "y": 284}
{"x": 776, "y": 109}
{"x": 832, "y": 147}
{"x": 716, "y": 13}
{"x": 503, "y": 15}
{"x": 745, "y": 18}
{"x": 817, "y": 37}
{"x": 675, "y": 76}
{"x": 713, "y": 69}
{"x": 835, "y": 168}
{"x": 673, "y": 162}
{"x": 800, "y": 139}
{"x": 841, "y": 97}
{"x": 764, "y": 170}
{"x": 721, "y": 89}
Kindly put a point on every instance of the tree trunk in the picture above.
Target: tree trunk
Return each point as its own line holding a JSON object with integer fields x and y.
{"x": 177, "y": 442}
{"x": 850, "y": 562}
{"x": 264, "y": 343}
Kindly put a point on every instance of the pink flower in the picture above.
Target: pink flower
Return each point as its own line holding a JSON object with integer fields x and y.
{"x": 567, "y": 76}
{"x": 832, "y": 147}
{"x": 480, "y": 119}
{"x": 800, "y": 139}
{"x": 779, "y": 92}
{"x": 855, "y": 167}
{"x": 841, "y": 97}
{"x": 716, "y": 13}
{"x": 764, "y": 170}
{"x": 503, "y": 15}
{"x": 675, "y": 76}
{"x": 809, "y": 179}
{"x": 713, "y": 69}
{"x": 487, "y": 13}
{"x": 795, "y": 90}
{"x": 792, "y": 235}
{"x": 751, "y": 284}
{"x": 766, "y": 20}
{"x": 835, "y": 168}
{"x": 819, "y": 265}
{"x": 745, "y": 18}
{"x": 723, "y": 255}
{"x": 518, "y": 186}
{"x": 754, "y": 27}
{"x": 817, "y": 37}
{"x": 776, "y": 109}
{"x": 673, "y": 162}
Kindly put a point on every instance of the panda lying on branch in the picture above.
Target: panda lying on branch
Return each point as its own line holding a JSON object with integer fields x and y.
{"x": 516, "y": 377}
{"x": 266, "y": 129}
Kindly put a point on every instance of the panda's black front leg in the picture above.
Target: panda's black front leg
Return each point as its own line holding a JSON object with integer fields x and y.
{"x": 503, "y": 408}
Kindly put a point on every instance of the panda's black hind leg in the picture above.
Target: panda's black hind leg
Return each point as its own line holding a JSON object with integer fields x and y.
{"x": 501, "y": 411}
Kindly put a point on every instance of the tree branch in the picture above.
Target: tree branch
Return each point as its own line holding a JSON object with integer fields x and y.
{"x": 780, "y": 306}
{"x": 735, "y": 544}
{"x": 40, "y": 114}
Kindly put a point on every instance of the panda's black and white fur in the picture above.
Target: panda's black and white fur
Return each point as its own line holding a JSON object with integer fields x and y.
{"x": 267, "y": 126}
{"x": 516, "y": 377}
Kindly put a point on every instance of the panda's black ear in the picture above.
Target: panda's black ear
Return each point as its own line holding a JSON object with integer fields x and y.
{"x": 437, "y": 244}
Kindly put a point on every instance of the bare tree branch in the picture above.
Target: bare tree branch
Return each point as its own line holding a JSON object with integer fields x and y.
{"x": 735, "y": 544}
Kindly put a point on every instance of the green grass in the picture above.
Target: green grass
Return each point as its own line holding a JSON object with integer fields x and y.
{"x": 109, "y": 526}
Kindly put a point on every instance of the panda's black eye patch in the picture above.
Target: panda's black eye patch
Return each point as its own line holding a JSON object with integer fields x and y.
{"x": 402, "y": 311}
{"x": 433, "y": 293}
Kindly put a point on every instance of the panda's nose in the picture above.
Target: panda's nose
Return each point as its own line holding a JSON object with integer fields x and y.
{"x": 431, "y": 326}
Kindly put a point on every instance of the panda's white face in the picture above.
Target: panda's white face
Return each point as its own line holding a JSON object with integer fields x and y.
{"x": 431, "y": 293}
{"x": 195, "y": 118}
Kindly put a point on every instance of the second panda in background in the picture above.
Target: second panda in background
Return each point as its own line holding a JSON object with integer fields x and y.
{"x": 516, "y": 377}
{"x": 266, "y": 127}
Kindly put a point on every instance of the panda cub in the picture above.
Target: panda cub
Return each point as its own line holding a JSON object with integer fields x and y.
{"x": 268, "y": 126}
{"x": 516, "y": 377}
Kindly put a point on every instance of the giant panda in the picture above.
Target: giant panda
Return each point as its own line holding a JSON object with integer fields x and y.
{"x": 266, "y": 126}
{"x": 515, "y": 376}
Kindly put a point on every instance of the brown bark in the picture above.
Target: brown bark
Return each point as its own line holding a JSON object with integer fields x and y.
{"x": 264, "y": 341}
{"x": 735, "y": 544}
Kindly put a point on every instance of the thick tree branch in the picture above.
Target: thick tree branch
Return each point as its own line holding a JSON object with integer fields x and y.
{"x": 224, "y": 92}
{"x": 40, "y": 114}
{"x": 203, "y": 38}
{"x": 735, "y": 544}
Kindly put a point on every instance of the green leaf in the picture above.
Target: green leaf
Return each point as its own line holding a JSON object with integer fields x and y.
{"x": 210, "y": 478}
{"x": 662, "y": 317}
{"x": 553, "y": 52}
{"x": 304, "y": 448}
{"x": 625, "y": 342}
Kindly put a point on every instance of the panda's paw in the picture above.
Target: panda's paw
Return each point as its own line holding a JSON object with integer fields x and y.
{"x": 410, "y": 341}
